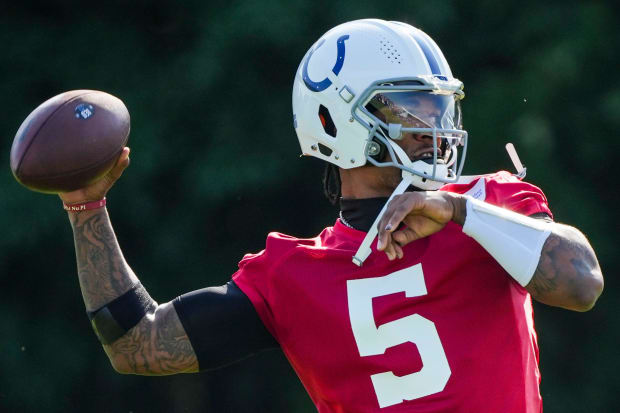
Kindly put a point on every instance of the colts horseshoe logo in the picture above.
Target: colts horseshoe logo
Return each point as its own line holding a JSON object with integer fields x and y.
{"x": 325, "y": 83}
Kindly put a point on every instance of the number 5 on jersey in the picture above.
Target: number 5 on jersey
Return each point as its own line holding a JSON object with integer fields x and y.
{"x": 372, "y": 340}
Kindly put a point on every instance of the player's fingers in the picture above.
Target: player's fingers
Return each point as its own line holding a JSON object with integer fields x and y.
{"x": 386, "y": 244}
{"x": 121, "y": 164}
{"x": 397, "y": 210}
{"x": 413, "y": 202}
{"x": 382, "y": 235}
{"x": 405, "y": 236}
{"x": 383, "y": 240}
{"x": 123, "y": 159}
{"x": 393, "y": 250}
{"x": 398, "y": 250}
{"x": 390, "y": 250}
{"x": 382, "y": 227}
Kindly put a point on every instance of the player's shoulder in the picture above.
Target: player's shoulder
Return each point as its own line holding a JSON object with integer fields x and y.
{"x": 504, "y": 189}
{"x": 278, "y": 247}
{"x": 481, "y": 186}
{"x": 278, "y": 242}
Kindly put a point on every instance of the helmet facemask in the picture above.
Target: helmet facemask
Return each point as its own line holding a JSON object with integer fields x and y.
{"x": 428, "y": 110}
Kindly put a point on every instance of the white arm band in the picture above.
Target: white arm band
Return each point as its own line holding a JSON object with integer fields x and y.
{"x": 514, "y": 240}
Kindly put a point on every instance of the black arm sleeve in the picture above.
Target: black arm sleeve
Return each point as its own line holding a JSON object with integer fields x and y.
{"x": 222, "y": 325}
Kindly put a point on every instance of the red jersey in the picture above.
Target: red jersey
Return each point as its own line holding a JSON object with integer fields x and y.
{"x": 444, "y": 329}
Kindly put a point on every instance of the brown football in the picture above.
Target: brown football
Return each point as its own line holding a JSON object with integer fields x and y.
{"x": 69, "y": 141}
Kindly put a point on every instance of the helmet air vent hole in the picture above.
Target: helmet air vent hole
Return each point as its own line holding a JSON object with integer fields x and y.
{"x": 389, "y": 51}
{"x": 324, "y": 150}
{"x": 327, "y": 122}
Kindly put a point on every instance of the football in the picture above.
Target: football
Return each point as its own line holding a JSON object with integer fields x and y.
{"x": 69, "y": 141}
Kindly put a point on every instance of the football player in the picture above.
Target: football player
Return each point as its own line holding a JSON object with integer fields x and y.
{"x": 418, "y": 298}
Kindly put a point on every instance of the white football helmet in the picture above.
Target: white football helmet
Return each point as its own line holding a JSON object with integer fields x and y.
{"x": 363, "y": 84}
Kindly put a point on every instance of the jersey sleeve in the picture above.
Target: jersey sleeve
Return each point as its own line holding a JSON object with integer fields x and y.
{"x": 505, "y": 190}
{"x": 255, "y": 278}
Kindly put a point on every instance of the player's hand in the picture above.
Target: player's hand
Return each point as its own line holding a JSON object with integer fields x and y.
{"x": 423, "y": 214}
{"x": 97, "y": 190}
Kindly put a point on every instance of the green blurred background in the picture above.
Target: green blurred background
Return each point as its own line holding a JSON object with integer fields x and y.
{"x": 215, "y": 167}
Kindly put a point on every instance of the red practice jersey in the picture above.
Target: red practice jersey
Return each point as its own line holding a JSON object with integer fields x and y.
{"x": 444, "y": 329}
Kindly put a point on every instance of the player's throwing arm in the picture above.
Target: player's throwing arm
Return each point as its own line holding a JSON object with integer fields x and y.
{"x": 74, "y": 145}
{"x": 554, "y": 262}
{"x": 138, "y": 335}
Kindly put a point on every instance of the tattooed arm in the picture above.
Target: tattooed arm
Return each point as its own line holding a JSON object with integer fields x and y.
{"x": 158, "y": 344}
{"x": 568, "y": 274}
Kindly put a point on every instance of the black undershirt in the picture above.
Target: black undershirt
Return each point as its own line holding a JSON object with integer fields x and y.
{"x": 361, "y": 213}
{"x": 221, "y": 322}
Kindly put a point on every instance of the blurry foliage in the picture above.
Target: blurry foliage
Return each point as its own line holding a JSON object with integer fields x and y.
{"x": 215, "y": 167}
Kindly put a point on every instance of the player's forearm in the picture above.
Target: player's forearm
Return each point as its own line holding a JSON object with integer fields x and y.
{"x": 157, "y": 344}
{"x": 568, "y": 274}
{"x": 102, "y": 270}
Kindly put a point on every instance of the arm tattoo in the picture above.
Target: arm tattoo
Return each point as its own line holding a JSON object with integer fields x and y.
{"x": 158, "y": 343}
{"x": 102, "y": 270}
{"x": 156, "y": 347}
{"x": 567, "y": 263}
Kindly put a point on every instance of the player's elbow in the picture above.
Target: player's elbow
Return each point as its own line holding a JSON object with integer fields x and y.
{"x": 119, "y": 362}
{"x": 588, "y": 291}
{"x": 122, "y": 362}
{"x": 123, "y": 368}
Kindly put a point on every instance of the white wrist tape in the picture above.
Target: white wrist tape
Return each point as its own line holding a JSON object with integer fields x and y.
{"x": 514, "y": 240}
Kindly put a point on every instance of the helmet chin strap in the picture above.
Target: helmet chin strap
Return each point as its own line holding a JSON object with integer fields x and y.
{"x": 512, "y": 152}
{"x": 364, "y": 249}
